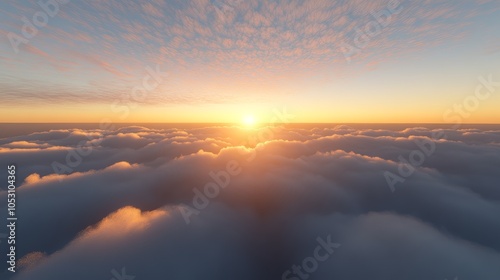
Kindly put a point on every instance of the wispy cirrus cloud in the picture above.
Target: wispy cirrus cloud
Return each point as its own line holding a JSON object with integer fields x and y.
{"x": 251, "y": 41}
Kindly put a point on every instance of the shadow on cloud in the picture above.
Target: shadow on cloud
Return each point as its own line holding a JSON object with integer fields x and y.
{"x": 124, "y": 204}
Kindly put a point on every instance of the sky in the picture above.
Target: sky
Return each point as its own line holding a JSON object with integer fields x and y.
{"x": 354, "y": 61}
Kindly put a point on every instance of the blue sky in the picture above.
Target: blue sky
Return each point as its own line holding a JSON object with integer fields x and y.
{"x": 229, "y": 58}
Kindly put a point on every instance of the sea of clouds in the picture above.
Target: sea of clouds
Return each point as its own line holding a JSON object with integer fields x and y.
{"x": 225, "y": 202}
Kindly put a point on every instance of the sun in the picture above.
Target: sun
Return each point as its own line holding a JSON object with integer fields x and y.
{"x": 249, "y": 120}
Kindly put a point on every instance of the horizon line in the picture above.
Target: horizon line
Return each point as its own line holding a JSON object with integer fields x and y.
{"x": 263, "y": 123}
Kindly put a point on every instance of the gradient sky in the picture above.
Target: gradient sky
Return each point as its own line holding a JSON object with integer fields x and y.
{"x": 231, "y": 58}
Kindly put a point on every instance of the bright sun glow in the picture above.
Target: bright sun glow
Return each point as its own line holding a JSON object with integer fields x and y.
{"x": 249, "y": 120}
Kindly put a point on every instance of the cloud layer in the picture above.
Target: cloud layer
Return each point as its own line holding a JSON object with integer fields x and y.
{"x": 121, "y": 198}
